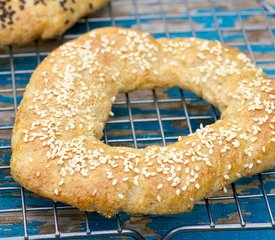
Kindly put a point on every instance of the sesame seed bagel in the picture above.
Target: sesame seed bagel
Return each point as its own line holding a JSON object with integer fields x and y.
{"x": 56, "y": 151}
{"x": 22, "y": 21}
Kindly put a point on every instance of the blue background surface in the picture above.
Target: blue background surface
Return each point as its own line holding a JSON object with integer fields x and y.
{"x": 223, "y": 211}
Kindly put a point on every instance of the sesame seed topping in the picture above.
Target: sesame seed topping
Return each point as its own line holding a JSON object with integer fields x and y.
{"x": 236, "y": 143}
{"x": 259, "y": 161}
{"x": 184, "y": 188}
{"x": 94, "y": 192}
{"x": 226, "y": 176}
{"x": 160, "y": 186}
{"x": 114, "y": 182}
{"x": 159, "y": 199}
{"x": 208, "y": 163}
{"x": 225, "y": 190}
{"x": 121, "y": 196}
{"x": 136, "y": 180}
{"x": 125, "y": 179}
{"x": 238, "y": 175}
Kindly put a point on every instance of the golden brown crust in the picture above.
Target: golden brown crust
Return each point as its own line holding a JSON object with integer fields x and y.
{"x": 24, "y": 21}
{"x": 56, "y": 151}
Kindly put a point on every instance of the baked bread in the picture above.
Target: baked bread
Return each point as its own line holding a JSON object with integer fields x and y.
{"x": 56, "y": 151}
{"x": 22, "y": 21}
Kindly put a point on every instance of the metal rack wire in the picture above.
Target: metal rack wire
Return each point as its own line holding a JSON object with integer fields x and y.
{"x": 134, "y": 112}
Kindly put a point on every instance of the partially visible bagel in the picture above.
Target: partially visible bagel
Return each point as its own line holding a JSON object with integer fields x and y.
{"x": 56, "y": 151}
{"x": 27, "y": 20}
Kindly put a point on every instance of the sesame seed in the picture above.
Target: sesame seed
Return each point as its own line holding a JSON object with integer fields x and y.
{"x": 226, "y": 176}
{"x": 197, "y": 186}
{"x": 238, "y": 175}
{"x": 125, "y": 179}
{"x": 173, "y": 184}
{"x": 224, "y": 189}
{"x": 136, "y": 180}
{"x": 184, "y": 188}
{"x": 155, "y": 72}
{"x": 236, "y": 143}
{"x": 160, "y": 186}
{"x": 61, "y": 182}
{"x": 136, "y": 170}
{"x": 159, "y": 199}
{"x": 254, "y": 139}
{"x": 56, "y": 192}
{"x": 211, "y": 151}
{"x": 178, "y": 192}
{"x": 94, "y": 192}
{"x": 259, "y": 161}
{"x": 114, "y": 182}
{"x": 208, "y": 163}
{"x": 121, "y": 196}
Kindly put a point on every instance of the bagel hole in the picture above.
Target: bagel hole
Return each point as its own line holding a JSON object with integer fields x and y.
{"x": 156, "y": 117}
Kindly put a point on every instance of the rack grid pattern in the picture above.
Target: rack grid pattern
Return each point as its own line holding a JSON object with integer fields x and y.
{"x": 142, "y": 118}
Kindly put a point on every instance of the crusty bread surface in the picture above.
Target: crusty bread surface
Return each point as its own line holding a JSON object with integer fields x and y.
{"x": 56, "y": 151}
{"x": 24, "y": 21}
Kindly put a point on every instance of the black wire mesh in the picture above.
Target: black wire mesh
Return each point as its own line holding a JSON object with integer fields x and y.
{"x": 143, "y": 118}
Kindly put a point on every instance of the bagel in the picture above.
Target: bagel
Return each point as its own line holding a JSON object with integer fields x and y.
{"x": 22, "y": 21}
{"x": 56, "y": 147}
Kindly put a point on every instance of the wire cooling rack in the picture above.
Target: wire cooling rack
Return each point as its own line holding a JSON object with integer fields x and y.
{"x": 143, "y": 118}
